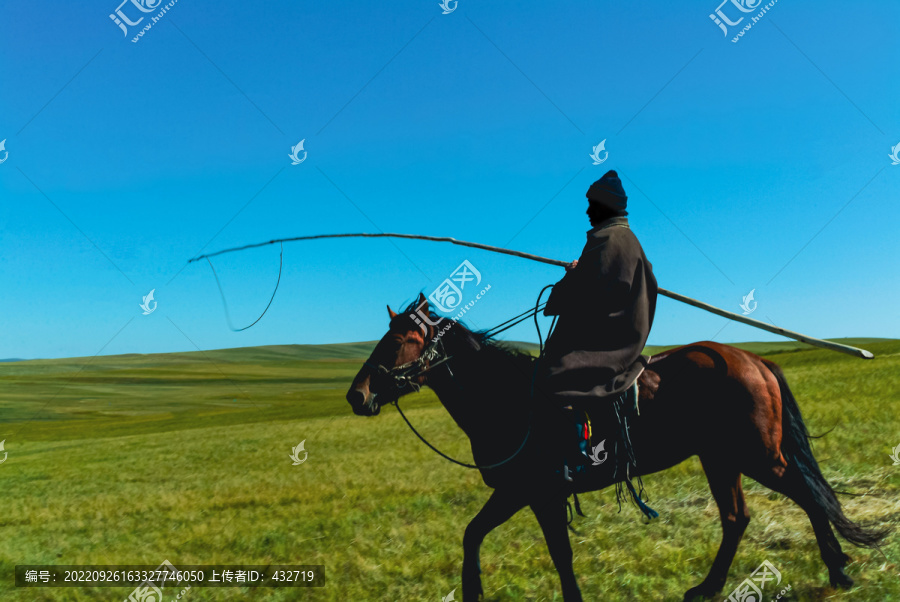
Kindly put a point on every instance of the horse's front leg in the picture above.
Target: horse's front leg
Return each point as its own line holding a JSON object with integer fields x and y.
{"x": 551, "y": 515}
{"x": 496, "y": 511}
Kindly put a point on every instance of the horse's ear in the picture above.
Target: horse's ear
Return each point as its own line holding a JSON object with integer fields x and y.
{"x": 391, "y": 312}
{"x": 423, "y": 302}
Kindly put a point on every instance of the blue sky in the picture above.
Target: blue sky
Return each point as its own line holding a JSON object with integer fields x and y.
{"x": 761, "y": 164}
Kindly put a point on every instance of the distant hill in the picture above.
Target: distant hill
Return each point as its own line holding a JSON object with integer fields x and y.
{"x": 121, "y": 395}
{"x": 264, "y": 353}
{"x": 776, "y": 347}
{"x": 759, "y": 348}
{"x": 361, "y": 350}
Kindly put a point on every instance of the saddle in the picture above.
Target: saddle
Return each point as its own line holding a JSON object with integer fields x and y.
{"x": 612, "y": 417}
{"x": 602, "y": 446}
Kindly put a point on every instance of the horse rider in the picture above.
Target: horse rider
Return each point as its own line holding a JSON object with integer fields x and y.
{"x": 605, "y": 305}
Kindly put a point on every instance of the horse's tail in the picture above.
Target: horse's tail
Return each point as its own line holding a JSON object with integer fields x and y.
{"x": 797, "y": 452}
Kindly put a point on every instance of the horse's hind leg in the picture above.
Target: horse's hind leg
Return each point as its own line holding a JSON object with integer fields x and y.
{"x": 725, "y": 484}
{"x": 790, "y": 482}
{"x": 551, "y": 515}
{"x": 496, "y": 511}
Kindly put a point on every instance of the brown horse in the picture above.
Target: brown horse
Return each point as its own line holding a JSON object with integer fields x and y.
{"x": 731, "y": 408}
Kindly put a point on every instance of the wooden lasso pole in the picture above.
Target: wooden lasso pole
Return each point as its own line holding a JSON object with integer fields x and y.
{"x": 475, "y": 245}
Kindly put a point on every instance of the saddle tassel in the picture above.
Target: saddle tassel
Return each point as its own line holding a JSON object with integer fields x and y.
{"x": 647, "y": 510}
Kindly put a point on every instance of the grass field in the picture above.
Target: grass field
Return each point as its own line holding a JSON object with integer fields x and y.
{"x": 140, "y": 458}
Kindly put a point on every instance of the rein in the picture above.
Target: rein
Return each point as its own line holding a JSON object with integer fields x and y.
{"x": 405, "y": 375}
{"x": 446, "y": 457}
{"x": 503, "y": 326}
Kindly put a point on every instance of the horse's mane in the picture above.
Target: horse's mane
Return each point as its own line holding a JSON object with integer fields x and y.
{"x": 480, "y": 341}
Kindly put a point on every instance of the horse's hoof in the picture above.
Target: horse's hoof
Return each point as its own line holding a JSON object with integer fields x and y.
{"x": 701, "y": 591}
{"x": 841, "y": 581}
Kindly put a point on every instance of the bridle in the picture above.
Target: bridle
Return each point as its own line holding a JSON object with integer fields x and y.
{"x": 405, "y": 375}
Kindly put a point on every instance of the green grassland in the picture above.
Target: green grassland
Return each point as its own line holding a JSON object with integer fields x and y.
{"x": 140, "y": 458}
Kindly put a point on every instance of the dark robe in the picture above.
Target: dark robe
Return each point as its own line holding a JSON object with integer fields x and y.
{"x": 605, "y": 307}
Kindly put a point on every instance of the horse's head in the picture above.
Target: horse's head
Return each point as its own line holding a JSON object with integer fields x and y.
{"x": 396, "y": 365}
